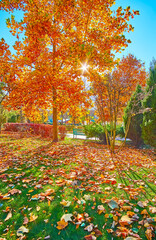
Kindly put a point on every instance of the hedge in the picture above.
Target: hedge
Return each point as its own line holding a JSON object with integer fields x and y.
{"x": 44, "y": 130}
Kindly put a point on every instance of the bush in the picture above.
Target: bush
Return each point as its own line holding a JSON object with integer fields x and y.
{"x": 120, "y": 131}
{"x": 35, "y": 129}
{"x": 134, "y": 111}
{"x": 95, "y": 130}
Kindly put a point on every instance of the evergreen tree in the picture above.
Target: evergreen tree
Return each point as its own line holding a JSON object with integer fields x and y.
{"x": 149, "y": 116}
{"x": 133, "y": 117}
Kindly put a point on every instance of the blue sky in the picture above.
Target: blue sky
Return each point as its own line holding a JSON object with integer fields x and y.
{"x": 143, "y": 38}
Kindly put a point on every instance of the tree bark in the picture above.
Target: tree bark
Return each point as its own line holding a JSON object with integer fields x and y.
{"x": 55, "y": 132}
{"x": 21, "y": 115}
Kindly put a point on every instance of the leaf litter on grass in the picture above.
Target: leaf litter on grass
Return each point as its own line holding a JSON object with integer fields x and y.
{"x": 68, "y": 191}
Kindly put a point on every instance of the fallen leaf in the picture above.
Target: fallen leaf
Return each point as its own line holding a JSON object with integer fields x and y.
{"x": 144, "y": 212}
{"x": 46, "y": 220}
{"x": 125, "y": 220}
{"x": 47, "y": 237}
{"x": 14, "y": 191}
{"x": 26, "y": 220}
{"x": 32, "y": 217}
{"x": 49, "y": 192}
{"x": 65, "y": 203}
{"x": 97, "y": 232}
{"x": 130, "y": 238}
{"x": 22, "y": 230}
{"x": 8, "y": 216}
{"x": 130, "y": 214}
{"x": 126, "y": 208}
{"x": 89, "y": 228}
{"x": 148, "y": 234}
{"x": 38, "y": 208}
{"x": 67, "y": 217}
{"x": 152, "y": 209}
{"x": 140, "y": 204}
{"x": 90, "y": 237}
{"x": 100, "y": 209}
{"x": 62, "y": 224}
{"x": 87, "y": 197}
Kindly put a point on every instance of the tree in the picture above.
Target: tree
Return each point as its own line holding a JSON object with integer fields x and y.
{"x": 113, "y": 90}
{"x": 149, "y": 116}
{"x": 6, "y": 76}
{"x": 59, "y": 35}
{"x": 133, "y": 117}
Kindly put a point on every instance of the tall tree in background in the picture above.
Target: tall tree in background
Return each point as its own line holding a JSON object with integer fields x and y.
{"x": 59, "y": 36}
{"x": 149, "y": 116}
{"x": 133, "y": 117}
{"x": 113, "y": 91}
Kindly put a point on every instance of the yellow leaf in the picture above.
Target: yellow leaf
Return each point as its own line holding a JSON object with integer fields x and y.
{"x": 62, "y": 224}
{"x": 32, "y": 217}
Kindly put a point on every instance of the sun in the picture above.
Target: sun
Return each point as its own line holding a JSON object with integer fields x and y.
{"x": 84, "y": 67}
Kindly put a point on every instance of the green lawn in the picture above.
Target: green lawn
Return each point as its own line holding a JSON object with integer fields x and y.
{"x": 40, "y": 183}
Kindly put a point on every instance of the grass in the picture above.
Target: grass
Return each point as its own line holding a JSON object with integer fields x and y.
{"x": 83, "y": 174}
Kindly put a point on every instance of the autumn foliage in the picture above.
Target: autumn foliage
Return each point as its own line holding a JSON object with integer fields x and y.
{"x": 59, "y": 36}
{"x": 113, "y": 90}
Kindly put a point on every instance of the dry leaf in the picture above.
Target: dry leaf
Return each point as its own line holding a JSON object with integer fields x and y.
{"x": 90, "y": 237}
{"x": 38, "y": 208}
{"x": 32, "y": 217}
{"x": 144, "y": 212}
{"x": 8, "y": 216}
{"x": 87, "y": 197}
{"x": 100, "y": 209}
{"x": 126, "y": 208}
{"x": 14, "y": 191}
{"x": 65, "y": 203}
{"x": 67, "y": 217}
{"x": 148, "y": 234}
{"x": 22, "y": 230}
{"x": 89, "y": 228}
{"x": 26, "y": 220}
{"x": 62, "y": 224}
{"x": 125, "y": 220}
{"x": 152, "y": 209}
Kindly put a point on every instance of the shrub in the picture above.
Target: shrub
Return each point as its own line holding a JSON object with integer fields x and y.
{"x": 95, "y": 130}
{"x": 45, "y": 130}
{"x": 36, "y": 129}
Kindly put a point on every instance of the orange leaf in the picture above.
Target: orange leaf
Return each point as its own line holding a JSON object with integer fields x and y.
{"x": 62, "y": 224}
{"x": 32, "y": 217}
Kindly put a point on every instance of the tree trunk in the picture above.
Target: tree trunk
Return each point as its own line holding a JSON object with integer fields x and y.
{"x": 21, "y": 116}
{"x": 55, "y": 132}
{"x": 1, "y": 117}
{"x": 62, "y": 118}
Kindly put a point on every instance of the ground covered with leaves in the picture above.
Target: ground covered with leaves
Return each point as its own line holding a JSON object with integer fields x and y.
{"x": 74, "y": 190}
